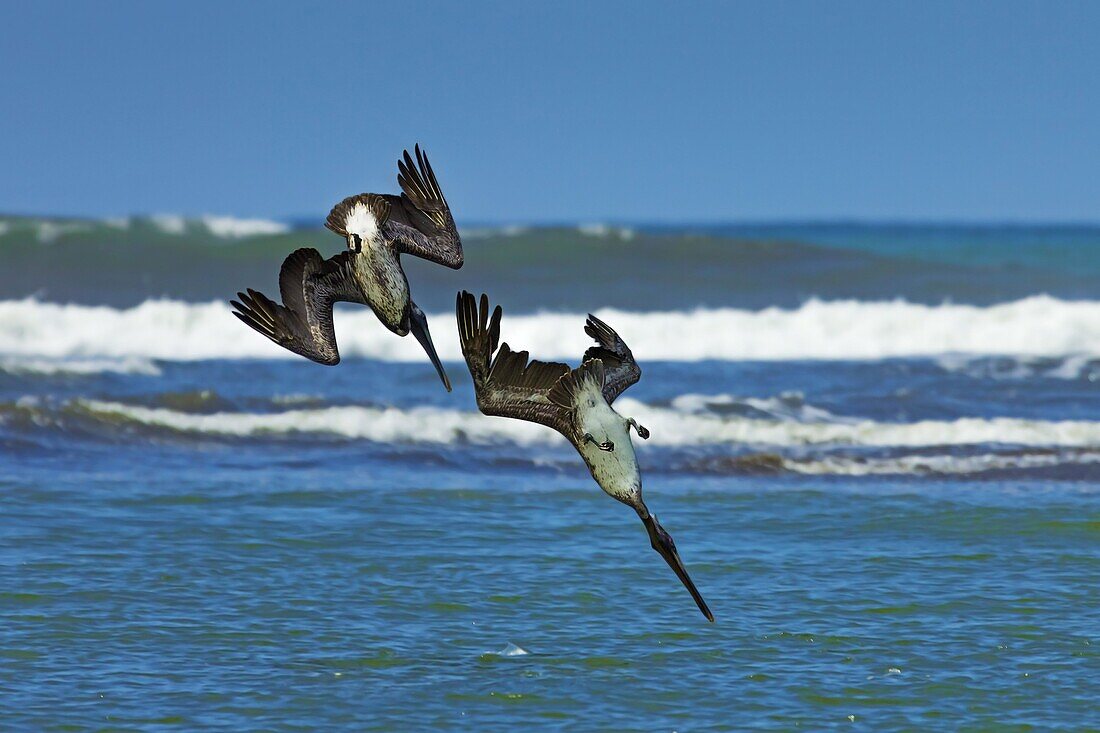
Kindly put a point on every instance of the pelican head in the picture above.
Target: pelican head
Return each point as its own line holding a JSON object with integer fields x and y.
{"x": 359, "y": 219}
{"x": 666, "y": 548}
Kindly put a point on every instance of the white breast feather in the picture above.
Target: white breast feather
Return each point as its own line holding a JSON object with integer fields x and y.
{"x": 615, "y": 471}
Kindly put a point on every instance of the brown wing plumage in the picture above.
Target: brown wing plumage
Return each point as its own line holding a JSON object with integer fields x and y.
{"x": 620, "y": 369}
{"x": 507, "y": 384}
{"x": 309, "y": 286}
{"x": 427, "y": 228}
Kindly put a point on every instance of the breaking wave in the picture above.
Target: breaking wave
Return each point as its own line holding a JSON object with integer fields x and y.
{"x": 702, "y": 434}
{"x": 670, "y": 427}
{"x": 1072, "y": 366}
{"x": 231, "y": 227}
{"x": 47, "y": 366}
{"x": 1038, "y": 326}
{"x": 49, "y": 231}
{"x": 938, "y": 465}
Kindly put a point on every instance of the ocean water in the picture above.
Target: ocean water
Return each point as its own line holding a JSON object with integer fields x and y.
{"x": 877, "y": 447}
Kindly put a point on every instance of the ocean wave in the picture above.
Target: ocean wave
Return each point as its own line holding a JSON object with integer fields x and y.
{"x": 511, "y": 230}
{"x": 223, "y": 227}
{"x": 1071, "y": 367}
{"x": 377, "y": 424}
{"x": 912, "y": 464}
{"x": 692, "y": 439}
{"x": 48, "y": 231}
{"x": 173, "y": 224}
{"x": 78, "y": 366}
{"x": 670, "y": 427}
{"x": 786, "y": 406}
{"x": 121, "y": 223}
{"x": 604, "y": 231}
{"x": 230, "y": 227}
{"x": 1039, "y": 326}
{"x": 938, "y": 465}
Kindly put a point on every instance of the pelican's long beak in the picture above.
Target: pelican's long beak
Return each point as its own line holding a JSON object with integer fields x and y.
{"x": 418, "y": 324}
{"x": 354, "y": 243}
{"x": 663, "y": 544}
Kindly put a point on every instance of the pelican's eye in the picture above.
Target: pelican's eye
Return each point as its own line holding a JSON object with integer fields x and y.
{"x": 592, "y": 403}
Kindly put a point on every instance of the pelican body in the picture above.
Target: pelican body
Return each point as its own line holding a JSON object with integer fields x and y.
{"x": 602, "y": 437}
{"x": 375, "y": 263}
{"x": 378, "y": 229}
{"x": 575, "y": 402}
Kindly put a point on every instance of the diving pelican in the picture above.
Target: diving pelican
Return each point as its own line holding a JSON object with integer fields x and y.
{"x": 575, "y": 402}
{"x": 379, "y": 228}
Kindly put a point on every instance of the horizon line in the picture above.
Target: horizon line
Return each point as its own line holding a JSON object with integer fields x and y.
{"x": 304, "y": 222}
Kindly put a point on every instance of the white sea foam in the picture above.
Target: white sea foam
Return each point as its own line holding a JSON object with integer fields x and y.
{"x": 169, "y": 223}
{"x": 39, "y": 365}
{"x": 49, "y": 232}
{"x": 511, "y": 230}
{"x": 787, "y": 406}
{"x": 669, "y": 427}
{"x": 379, "y": 424}
{"x": 1070, "y": 366}
{"x": 233, "y": 228}
{"x": 296, "y": 398}
{"x": 680, "y": 428}
{"x": 936, "y": 464}
{"x": 117, "y": 222}
{"x": 603, "y": 231}
{"x": 1039, "y": 326}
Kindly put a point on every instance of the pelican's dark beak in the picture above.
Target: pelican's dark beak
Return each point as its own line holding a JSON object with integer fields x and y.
{"x": 355, "y": 244}
{"x": 663, "y": 544}
{"x": 418, "y": 324}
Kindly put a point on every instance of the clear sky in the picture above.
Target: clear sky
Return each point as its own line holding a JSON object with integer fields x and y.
{"x": 556, "y": 111}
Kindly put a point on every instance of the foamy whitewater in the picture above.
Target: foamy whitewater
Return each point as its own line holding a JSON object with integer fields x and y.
{"x": 668, "y": 427}
{"x": 850, "y": 330}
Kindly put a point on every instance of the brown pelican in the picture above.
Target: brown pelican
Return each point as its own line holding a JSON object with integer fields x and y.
{"x": 575, "y": 402}
{"x": 379, "y": 228}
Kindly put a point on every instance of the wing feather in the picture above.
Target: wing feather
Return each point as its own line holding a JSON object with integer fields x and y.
{"x": 309, "y": 286}
{"x": 621, "y": 371}
{"x": 428, "y": 229}
{"x": 506, "y": 382}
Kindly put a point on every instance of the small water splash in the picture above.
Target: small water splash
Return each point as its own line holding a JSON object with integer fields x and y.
{"x": 512, "y": 650}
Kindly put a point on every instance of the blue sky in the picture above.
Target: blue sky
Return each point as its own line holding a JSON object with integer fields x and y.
{"x": 556, "y": 111}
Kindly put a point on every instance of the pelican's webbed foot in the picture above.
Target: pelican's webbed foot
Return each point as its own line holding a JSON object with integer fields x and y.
{"x": 643, "y": 432}
{"x": 607, "y": 445}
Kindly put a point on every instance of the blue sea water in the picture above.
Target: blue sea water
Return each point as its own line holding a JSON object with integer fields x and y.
{"x": 904, "y": 539}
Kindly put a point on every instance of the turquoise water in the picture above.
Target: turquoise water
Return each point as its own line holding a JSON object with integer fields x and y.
{"x": 158, "y": 577}
{"x": 198, "y": 534}
{"x": 319, "y": 605}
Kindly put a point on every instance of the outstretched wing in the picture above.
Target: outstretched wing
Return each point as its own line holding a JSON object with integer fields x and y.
{"x": 427, "y": 228}
{"x": 309, "y": 286}
{"x": 620, "y": 369}
{"x": 507, "y": 384}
